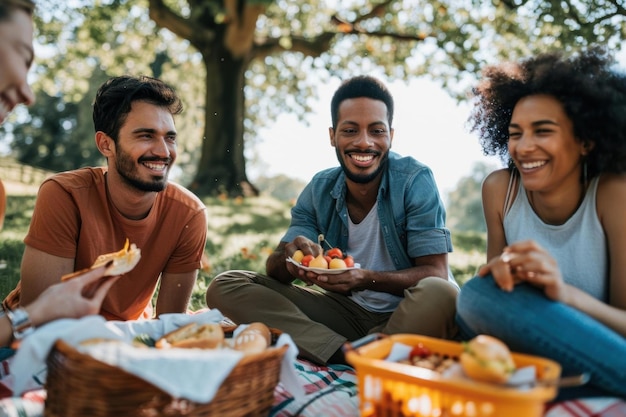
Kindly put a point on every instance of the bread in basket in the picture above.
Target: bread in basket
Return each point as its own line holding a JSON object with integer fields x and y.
{"x": 78, "y": 385}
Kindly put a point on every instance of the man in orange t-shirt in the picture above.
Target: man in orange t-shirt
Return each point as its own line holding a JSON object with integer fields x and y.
{"x": 83, "y": 213}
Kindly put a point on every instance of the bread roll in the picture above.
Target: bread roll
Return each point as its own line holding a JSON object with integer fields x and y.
{"x": 255, "y": 338}
{"x": 487, "y": 359}
{"x": 193, "y": 335}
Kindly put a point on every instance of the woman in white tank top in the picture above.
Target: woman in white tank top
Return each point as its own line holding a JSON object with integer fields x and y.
{"x": 555, "y": 280}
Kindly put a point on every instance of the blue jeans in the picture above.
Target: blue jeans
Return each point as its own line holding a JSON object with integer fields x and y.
{"x": 528, "y": 322}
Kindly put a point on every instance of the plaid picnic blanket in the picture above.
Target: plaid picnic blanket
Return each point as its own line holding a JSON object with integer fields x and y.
{"x": 331, "y": 391}
{"x": 590, "y": 407}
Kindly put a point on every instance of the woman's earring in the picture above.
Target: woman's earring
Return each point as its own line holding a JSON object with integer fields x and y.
{"x": 585, "y": 171}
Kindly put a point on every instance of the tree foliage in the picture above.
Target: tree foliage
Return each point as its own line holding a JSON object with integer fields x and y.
{"x": 80, "y": 46}
{"x": 53, "y": 138}
{"x": 240, "y": 63}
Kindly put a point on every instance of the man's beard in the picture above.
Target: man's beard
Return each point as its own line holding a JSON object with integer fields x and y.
{"x": 128, "y": 171}
{"x": 363, "y": 178}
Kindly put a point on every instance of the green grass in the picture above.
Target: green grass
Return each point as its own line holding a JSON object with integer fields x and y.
{"x": 241, "y": 234}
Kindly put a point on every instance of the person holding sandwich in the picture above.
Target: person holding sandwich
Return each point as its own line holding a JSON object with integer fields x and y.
{"x": 75, "y": 298}
{"x": 83, "y": 213}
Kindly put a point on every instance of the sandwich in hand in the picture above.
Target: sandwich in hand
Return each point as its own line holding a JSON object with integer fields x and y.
{"x": 124, "y": 261}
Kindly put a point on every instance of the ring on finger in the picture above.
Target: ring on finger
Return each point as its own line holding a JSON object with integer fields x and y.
{"x": 506, "y": 257}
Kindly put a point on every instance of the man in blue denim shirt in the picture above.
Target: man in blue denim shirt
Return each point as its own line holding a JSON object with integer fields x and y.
{"x": 381, "y": 208}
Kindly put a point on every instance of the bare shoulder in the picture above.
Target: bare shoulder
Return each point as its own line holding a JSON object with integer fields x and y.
{"x": 494, "y": 190}
{"x": 611, "y": 193}
{"x": 496, "y": 184}
{"x": 612, "y": 183}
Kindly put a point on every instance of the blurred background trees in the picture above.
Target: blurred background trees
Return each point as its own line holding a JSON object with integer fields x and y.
{"x": 464, "y": 204}
{"x": 240, "y": 63}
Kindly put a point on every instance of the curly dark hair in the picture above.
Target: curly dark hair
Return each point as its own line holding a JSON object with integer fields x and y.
{"x": 589, "y": 86}
{"x": 115, "y": 97}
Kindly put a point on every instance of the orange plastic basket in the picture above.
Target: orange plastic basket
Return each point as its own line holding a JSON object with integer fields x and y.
{"x": 393, "y": 389}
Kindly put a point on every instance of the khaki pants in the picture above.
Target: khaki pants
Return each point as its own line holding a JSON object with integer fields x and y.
{"x": 321, "y": 322}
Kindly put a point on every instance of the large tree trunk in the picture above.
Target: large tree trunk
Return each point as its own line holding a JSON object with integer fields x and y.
{"x": 222, "y": 166}
{"x": 225, "y": 45}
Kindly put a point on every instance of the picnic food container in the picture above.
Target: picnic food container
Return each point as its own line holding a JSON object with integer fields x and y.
{"x": 394, "y": 389}
{"x": 78, "y": 385}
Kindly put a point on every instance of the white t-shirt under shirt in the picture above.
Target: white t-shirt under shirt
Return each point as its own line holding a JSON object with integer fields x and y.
{"x": 367, "y": 247}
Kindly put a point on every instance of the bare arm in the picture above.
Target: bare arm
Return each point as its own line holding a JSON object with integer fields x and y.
{"x": 611, "y": 200}
{"x": 494, "y": 191}
{"x": 175, "y": 292}
{"x": 612, "y": 317}
{"x": 493, "y": 194}
{"x": 39, "y": 271}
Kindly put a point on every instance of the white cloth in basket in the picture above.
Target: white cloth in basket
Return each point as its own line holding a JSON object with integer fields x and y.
{"x": 193, "y": 374}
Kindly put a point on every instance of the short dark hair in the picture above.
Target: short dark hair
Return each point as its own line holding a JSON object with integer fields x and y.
{"x": 361, "y": 86}
{"x": 7, "y": 7}
{"x": 114, "y": 98}
{"x": 591, "y": 90}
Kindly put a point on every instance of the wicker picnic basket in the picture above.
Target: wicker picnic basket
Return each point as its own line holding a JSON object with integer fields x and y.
{"x": 78, "y": 385}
